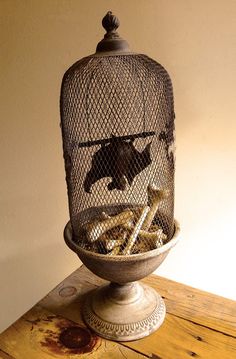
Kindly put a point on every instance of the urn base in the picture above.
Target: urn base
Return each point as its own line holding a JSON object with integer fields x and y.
{"x": 124, "y": 312}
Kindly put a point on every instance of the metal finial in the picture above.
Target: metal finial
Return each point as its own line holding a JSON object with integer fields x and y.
{"x": 110, "y": 22}
{"x": 112, "y": 40}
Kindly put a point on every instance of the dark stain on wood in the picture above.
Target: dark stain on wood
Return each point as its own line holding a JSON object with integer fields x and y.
{"x": 33, "y": 323}
{"x": 192, "y": 354}
{"x": 49, "y": 318}
{"x": 155, "y": 356}
{"x": 76, "y": 338}
{"x": 69, "y": 338}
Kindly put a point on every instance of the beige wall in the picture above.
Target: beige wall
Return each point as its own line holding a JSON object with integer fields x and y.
{"x": 196, "y": 41}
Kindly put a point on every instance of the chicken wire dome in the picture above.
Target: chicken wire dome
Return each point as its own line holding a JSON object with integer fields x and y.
{"x": 117, "y": 118}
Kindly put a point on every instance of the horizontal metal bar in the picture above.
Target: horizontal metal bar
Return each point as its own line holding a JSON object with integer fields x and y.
{"x": 108, "y": 140}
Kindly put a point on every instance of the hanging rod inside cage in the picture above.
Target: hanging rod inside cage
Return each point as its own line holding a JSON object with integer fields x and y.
{"x": 108, "y": 140}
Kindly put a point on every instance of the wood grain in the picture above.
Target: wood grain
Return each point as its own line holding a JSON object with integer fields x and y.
{"x": 181, "y": 300}
{"x": 192, "y": 326}
{"x": 4, "y": 355}
{"x": 193, "y": 304}
{"x": 198, "y": 324}
{"x": 36, "y": 335}
{"x": 181, "y": 339}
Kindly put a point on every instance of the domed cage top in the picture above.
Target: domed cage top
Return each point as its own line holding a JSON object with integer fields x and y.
{"x": 117, "y": 119}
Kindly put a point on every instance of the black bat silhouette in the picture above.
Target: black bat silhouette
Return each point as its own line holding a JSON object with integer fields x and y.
{"x": 119, "y": 160}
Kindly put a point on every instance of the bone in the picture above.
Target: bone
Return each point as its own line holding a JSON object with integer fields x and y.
{"x": 154, "y": 228}
{"x": 115, "y": 251}
{"x": 137, "y": 211}
{"x": 142, "y": 233}
{"x": 95, "y": 229}
{"x": 141, "y": 247}
{"x": 148, "y": 241}
{"x": 110, "y": 244}
{"x": 150, "y": 236}
{"x": 135, "y": 231}
{"x": 113, "y": 238}
{"x": 161, "y": 237}
{"x": 155, "y": 196}
{"x": 104, "y": 215}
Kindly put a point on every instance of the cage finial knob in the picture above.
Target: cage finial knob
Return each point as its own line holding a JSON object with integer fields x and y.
{"x": 112, "y": 40}
{"x": 110, "y": 22}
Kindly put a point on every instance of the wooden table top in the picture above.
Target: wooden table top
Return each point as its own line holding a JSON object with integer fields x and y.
{"x": 198, "y": 324}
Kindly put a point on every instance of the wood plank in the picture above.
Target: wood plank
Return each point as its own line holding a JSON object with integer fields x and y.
{"x": 66, "y": 298}
{"x": 196, "y": 305}
{"x": 181, "y": 339}
{"x": 40, "y": 334}
{"x": 177, "y": 335}
{"x": 181, "y": 300}
{"x": 4, "y": 355}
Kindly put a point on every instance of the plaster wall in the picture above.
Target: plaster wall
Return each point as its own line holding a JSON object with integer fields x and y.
{"x": 196, "y": 42}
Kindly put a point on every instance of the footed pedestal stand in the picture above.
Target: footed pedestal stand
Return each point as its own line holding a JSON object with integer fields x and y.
{"x": 128, "y": 310}
{"x": 124, "y": 312}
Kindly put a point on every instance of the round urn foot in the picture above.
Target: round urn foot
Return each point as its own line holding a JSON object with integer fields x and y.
{"x": 124, "y": 312}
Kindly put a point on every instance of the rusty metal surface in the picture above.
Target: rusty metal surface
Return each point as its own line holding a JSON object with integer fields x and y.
{"x": 112, "y": 40}
{"x": 117, "y": 120}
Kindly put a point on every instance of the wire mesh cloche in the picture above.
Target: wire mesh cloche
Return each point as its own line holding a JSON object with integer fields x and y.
{"x": 117, "y": 119}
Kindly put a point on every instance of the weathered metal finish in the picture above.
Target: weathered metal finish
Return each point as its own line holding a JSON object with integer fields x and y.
{"x": 120, "y": 268}
{"x": 119, "y": 96}
{"x": 109, "y": 100}
{"x": 112, "y": 40}
{"x": 123, "y": 310}
{"x": 105, "y": 141}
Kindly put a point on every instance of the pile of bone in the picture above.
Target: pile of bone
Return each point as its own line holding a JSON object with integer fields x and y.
{"x": 129, "y": 232}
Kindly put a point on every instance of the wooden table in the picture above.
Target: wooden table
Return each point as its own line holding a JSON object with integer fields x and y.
{"x": 197, "y": 324}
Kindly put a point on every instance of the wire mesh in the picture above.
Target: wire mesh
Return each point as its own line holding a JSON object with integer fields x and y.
{"x": 117, "y": 119}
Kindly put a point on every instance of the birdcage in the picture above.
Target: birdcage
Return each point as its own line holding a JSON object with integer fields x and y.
{"x": 117, "y": 120}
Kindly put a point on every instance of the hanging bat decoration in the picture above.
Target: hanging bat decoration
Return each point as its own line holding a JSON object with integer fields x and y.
{"x": 120, "y": 160}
